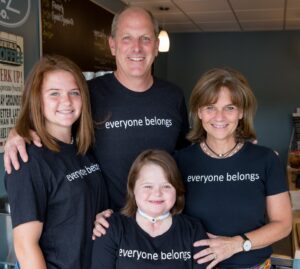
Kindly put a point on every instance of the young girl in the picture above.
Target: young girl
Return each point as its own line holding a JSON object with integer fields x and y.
{"x": 55, "y": 196}
{"x": 150, "y": 232}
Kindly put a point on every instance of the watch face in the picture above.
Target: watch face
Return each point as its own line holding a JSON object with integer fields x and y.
{"x": 247, "y": 245}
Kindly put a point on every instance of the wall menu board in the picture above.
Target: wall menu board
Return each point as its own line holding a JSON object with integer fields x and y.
{"x": 77, "y": 29}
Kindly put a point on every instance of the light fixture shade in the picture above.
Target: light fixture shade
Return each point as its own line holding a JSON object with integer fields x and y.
{"x": 164, "y": 41}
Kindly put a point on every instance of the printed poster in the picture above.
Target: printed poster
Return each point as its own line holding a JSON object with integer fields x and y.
{"x": 11, "y": 82}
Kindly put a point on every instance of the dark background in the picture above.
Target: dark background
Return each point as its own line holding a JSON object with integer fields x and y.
{"x": 269, "y": 60}
{"x": 84, "y": 41}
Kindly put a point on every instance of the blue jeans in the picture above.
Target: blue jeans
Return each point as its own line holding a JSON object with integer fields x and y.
{"x": 17, "y": 266}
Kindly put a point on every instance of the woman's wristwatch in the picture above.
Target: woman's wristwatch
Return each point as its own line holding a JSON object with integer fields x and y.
{"x": 247, "y": 245}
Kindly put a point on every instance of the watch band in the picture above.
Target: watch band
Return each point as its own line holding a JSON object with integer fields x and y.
{"x": 247, "y": 245}
{"x": 244, "y": 237}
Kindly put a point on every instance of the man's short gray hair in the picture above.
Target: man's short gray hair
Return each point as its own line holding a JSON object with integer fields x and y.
{"x": 115, "y": 21}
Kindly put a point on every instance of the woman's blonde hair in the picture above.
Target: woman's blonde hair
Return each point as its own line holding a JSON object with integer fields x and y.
{"x": 31, "y": 115}
{"x": 206, "y": 92}
{"x": 169, "y": 166}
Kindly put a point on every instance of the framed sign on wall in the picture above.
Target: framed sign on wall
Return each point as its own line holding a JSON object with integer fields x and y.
{"x": 11, "y": 82}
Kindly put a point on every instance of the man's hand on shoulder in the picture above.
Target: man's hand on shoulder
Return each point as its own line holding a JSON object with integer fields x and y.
{"x": 15, "y": 145}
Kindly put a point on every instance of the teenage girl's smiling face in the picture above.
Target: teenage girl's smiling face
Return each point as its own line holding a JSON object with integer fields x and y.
{"x": 154, "y": 194}
{"x": 61, "y": 102}
{"x": 220, "y": 119}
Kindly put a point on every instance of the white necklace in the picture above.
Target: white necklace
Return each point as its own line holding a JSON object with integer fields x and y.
{"x": 154, "y": 219}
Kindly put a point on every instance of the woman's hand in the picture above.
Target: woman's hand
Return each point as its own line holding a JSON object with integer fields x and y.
{"x": 219, "y": 248}
{"x": 101, "y": 224}
{"x": 16, "y": 144}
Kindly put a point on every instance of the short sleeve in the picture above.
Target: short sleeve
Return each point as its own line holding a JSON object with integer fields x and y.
{"x": 27, "y": 192}
{"x": 104, "y": 254}
{"x": 275, "y": 174}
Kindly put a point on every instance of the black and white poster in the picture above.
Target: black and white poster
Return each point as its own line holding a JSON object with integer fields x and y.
{"x": 11, "y": 82}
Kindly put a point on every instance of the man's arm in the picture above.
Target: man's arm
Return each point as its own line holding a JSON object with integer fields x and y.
{"x": 16, "y": 144}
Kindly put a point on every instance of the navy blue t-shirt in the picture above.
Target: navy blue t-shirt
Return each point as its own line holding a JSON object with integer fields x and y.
{"x": 229, "y": 195}
{"x": 63, "y": 190}
{"x": 129, "y": 122}
{"x": 127, "y": 246}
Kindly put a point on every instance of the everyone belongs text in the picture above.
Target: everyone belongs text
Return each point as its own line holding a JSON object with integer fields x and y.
{"x": 155, "y": 121}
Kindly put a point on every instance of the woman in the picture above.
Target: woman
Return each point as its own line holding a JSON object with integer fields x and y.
{"x": 232, "y": 184}
{"x": 55, "y": 196}
{"x": 150, "y": 232}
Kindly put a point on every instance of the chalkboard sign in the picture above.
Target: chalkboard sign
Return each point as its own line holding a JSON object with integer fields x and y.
{"x": 77, "y": 29}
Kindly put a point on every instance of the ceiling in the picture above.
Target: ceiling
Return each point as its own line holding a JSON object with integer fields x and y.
{"x": 222, "y": 15}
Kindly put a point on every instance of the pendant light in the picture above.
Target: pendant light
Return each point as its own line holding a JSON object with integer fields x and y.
{"x": 164, "y": 41}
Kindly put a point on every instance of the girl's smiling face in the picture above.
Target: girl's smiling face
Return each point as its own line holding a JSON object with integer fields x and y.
{"x": 154, "y": 194}
{"x": 61, "y": 101}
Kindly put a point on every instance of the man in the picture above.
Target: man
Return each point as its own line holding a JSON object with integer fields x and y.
{"x": 132, "y": 110}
